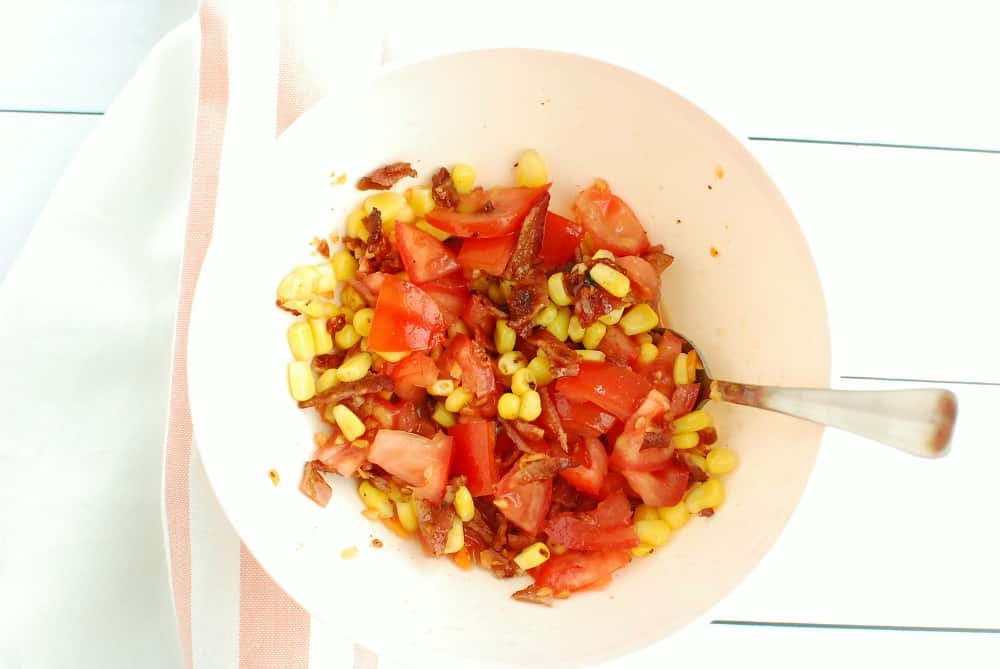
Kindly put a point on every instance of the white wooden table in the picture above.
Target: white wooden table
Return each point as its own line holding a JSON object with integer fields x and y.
{"x": 880, "y": 123}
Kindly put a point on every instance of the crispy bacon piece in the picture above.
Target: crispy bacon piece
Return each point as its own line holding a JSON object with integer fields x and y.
{"x": 530, "y": 595}
{"x": 374, "y": 383}
{"x": 529, "y": 241}
{"x": 329, "y": 360}
{"x": 592, "y": 303}
{"x": 523, "y": 445}
{"x": 528, "y": 430}
{"x": 385, "y": 177}
{"x": 527, "y": 298}
{"x": 379, "y": 254}
{"x": 336, "y": 323}
{"x": 363, "y": 290}
{"x": 443, "y": 190}
{"x": 534, "y": 468}
{"x": 550, "y": 420}
{"x": 433, "y": 526}
{"x": 563, "y": 361}
{"x": 313, "y": 485}
{"x": 658, "y": 258}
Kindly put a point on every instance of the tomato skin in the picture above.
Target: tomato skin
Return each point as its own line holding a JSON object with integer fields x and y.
{"x": 609, "y": 526}
{"x": 424, "y": 257}
{"x": 610, "y": 222}
{"x": 560, "y": 239}
{"x": 684, "y": 398}
{"x": 478, "y": 315}
{"x": 510, "y": 206}
{"x": 613, "y": 483}
{"x": 450, "y": 293}
{"x": 526, "y": 505}
{"x": 406, "y": 318}
{"x": 474, "y": 457}
{"x": 628, "y": 452}
{"x": 477, "y": 370}
{"x": 573, "y": 570}
{"x": 412, "y": 375}
{"x": 664, "y": 487}
{"x": 583, "y": 419}
{"x": 423, "y": 463}
{"x": 660, "y": 372}
{"x": 488, "y": 254}
{"x": 617, "y": 390}
{"x": 588, "y": 476}
{"x": 643, "y": 277}
{"x": 618, "y": 346}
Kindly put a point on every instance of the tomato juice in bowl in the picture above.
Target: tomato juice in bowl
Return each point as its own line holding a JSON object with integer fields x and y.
{"x": 754, "y": 306}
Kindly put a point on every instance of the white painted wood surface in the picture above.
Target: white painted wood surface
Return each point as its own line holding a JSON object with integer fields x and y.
{"x": 904, "y": 240}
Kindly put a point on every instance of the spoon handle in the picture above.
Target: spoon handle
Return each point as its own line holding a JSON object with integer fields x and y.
{"x": 919, "y": 422}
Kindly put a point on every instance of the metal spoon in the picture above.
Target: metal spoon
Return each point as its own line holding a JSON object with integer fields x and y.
{"x": 919, "y": 422}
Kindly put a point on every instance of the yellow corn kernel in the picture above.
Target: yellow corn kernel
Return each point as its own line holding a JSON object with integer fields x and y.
{"x": 684, "y": 441}
{"x": 407, "y": 514}
{"x": 530, "y": 170}
{"x": 640, "y": 318}
{"x": 463, "y": 504}
{"x": 610, "y": 279}
{"x": 504, "y": 337}
{"x": 355, "y": 367}
{"x": 348, "y": 422}
{"x": 437, "y": 234}
{"x": 347, "y": 337}
{"x": 654, "y": 533}
{"x": 509, "y": 406}
{"x": 676, "y": 516}
{"x": 362, "y": 321}
{"x": 523, "y": 381}
{"x": 680, "y": 369}
{"x": 505, "y": 288}
{"x": 480, "y": 282}
{"x": 441, "y": 388}
{"x": 299, "y": 284}
{"x": 495, "y": 293}
{"x": 387, "y": 202}
{"x": 351, "y": 299}
{"x": 464, "y": 177}
{"x": 356, "y": 225}
{"x": 301, "y": 383}
{"x": 404, "y": 215}
{"x": 642, "y": 550}
{"x": 531, "y": 406}
{"x": 532, "y": 556}
{"x": 557, "y": 290}
{"x": 575, "y": 331}
{"x": 692, "y": 422}
{"x": 457, "y": 400}
{"x": 593, "y": 335}
{"x": 328, "y": 379}
{"x": 393, "y": 356}
{"x": 559, "y": 327}
{"x": 644, "y": 338}
{"x": 327, "y": 281}
{"x": 345, "y": 266}
{"x": 592, "y": 356}
{"x": 546, "y": 315}
{"x": 603, "y": 253}
{"x": 708, "y": 495}
{"x": 695, "y": 460}
{"x": 300, "y": 341}
{"x": 420, "y": 199}
{"x": 558, "y": 549}
{"x": 539, "y": 366}
{"x": 375, "y": 499}
{"x": 456, "y": 328}
{"x": 720, "y": 460}
{"x": 648, "y": 353}
{"x": 645, "y": 512}
{"x": 322, "y": 341}
{"x": 613, "y": 317}
{"x": 455, "y": 541}
{"x": 511, "y": 362}
{"x": 443, "y": 417}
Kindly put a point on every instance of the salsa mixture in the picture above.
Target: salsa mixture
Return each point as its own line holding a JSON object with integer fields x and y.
{"x": 497, "y": 379}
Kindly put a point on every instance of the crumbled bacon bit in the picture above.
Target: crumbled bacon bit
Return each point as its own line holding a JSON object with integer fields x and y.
{"x": 529, "y": 241}
{"x": 531, "y": 596}
{"x": 708, "y": 436}
{"x": 541, "y": 469}
{"x": 527, "y": 298}
{"x": 712, "y": 250}
{"x": 313, "y": 485}
{"x": 385, "y": 177}
{"x": 707, "y": 513}
{"x": 274, "y": 476}
{"x": 377, "y": 543}
{"x": 655, "y": 439}
{"x": 563, "y": 361}
{"x": 443, "y": 190}
{"x": 658, "y": 258}
{"x": 375, "y": 383}
{"x": 550, "y": 420}
{"x": 592, "y": 303}
{"x": 323, "y": 248}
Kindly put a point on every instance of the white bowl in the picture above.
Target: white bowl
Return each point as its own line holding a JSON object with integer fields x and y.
{"x": 756, "y": 309}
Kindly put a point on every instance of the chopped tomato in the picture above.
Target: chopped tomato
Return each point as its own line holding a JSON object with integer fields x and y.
{"x": 510, "y": 206}
{"x": 423, "y": 463}
{"x": 628, "y": 453}
{"x": 609, "y": 222}
{"x": 450, "y": 293}
{"x": 574, "y": 571}
{"x": 615, "y": 389}
{"x": 584, "y": 419}
{"x": 395, "y": 415}
{"x": 412, "y": 374}
{"x": 684, "y": 398}
{"x": 473, "y": 456}
{"x": 406, "y": 318}
{"x": 424, "y": 257}
{"x": 560, "y": 239}
{"x": 613, "y": 482}
{"x": 618, "y": 347}
{"x": 489, "y": 254}
{"x": 373, "y": 281}
{"x": 341, "y": 458}
{"x": 614, "y": 511}
{"x": 525, "y": 505}
{"x": 660, "y": 372}
{"x": 477, "y": 370}
{"x": 478, "y": 314}
{"x": 588, "y": 476}
{"x": 609, "y": 526}
{"x": 665, "y": 487}
{"x": 643, "y": 277}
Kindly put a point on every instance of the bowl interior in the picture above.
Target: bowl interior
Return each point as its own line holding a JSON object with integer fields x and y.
{"x": 755, "y": 308}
